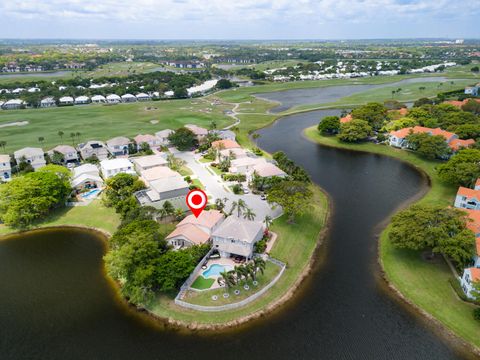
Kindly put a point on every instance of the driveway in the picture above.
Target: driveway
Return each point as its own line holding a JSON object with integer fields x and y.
{"x": 216, "y": 188}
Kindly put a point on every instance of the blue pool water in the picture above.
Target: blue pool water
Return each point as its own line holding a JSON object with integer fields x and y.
{"x": 215, "y": 270}
{"x": 91, "y": 193}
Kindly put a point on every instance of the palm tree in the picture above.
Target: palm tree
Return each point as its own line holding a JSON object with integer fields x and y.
{"x": 227, "y": 278}
{"x": 60, "y": 133}
{"x": 77, "y": 134}
{"x": 249, "y": 214}
{"x": 251, "y": 271}
{"x": 268, "y": 221}
{"x": 259, "y": 264}
{"x": 72, "y": 135}
{"x": 240, "y": 206}
{"x": 3, "y": 143}
{"x": 221, "y": 203}
{"x": 41, "y": 139}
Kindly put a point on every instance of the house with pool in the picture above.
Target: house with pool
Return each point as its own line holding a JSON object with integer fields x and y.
{"x": 237, "y": 237}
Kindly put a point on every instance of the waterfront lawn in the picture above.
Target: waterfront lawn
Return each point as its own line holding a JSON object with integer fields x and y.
{"x": 201, "y": 283}
{"x": 426, "y": 284}
{"x": 94, "y": 215}
{"x": 205, "y": 297}
{"x": 295, "y": 246}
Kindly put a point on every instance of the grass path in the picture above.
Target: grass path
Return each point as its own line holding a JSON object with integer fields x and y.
{"x": 425, "y": 284}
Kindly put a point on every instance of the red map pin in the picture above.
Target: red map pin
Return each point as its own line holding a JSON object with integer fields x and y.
{"x": 196, "y": 201}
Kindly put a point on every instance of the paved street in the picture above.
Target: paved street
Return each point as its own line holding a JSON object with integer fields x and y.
{"x": 216, "y": 188}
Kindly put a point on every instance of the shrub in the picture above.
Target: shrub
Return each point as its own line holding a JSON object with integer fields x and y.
{"x": 237, "y": 189}
{"x": 476, "y": 314}
{"x": 260, "y": 246}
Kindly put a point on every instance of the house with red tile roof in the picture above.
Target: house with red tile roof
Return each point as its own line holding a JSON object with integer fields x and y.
{"x": 459, "y": 104}
{"x": 397, "y": 138}
{"x": 151, "y": 140}
{"x": 474, "y": 226}
{"x": 225, "y": 144}
{"x": 467, "y": 198}
{"x": 468, "y": 280}
{"x": 195, "y": 231}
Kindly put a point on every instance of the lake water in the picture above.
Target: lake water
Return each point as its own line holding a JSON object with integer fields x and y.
{"x": 294, "y": 97}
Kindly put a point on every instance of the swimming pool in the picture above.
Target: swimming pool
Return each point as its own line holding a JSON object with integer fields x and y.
{"x": 91, "y": 194}
{"x": 215, "y": 270}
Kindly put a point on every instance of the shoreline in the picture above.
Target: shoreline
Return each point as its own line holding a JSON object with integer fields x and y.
{"x": 381, "y": 230}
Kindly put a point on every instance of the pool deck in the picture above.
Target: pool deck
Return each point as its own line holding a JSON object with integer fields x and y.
{"x": 220, "y": 261}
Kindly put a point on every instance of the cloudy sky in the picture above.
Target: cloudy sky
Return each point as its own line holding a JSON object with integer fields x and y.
{"x": 239, "y": 19}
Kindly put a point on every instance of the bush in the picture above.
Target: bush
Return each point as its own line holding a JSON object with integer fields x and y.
{"x": 234, "y": 177}
{"x": 476, "y": 314}
{"x": 260, "y": 246}
{"x": 188, "y": 179}
{"x": 237, "y": 189}
{"x": 257, "y": 151}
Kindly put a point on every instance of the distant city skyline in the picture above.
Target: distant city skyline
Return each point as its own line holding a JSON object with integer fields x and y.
{"x": 240, "y": 19}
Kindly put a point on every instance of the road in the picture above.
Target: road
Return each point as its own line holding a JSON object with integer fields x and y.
{"x": 216, "y": 188}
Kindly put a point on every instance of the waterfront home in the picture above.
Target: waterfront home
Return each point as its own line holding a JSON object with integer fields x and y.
{"x": 163, "y": 135}
{"x": 225, "y": 144}
{"x": 118, "y": 145}
{"x": 112, "y": 167}
{"x": 66, "y": 100}
{"x": 13, "y": 104}
{"x": 237, "y": 236}
{"x": 237, "y": 153}
{"x": 245, "y": 165}
{"x": 143, "y": 97}
{"x": 151, "y": 140}
{"x": 268, "y": 170}
{"x": 467, "y": 281}
{"x": 93, "y": 147}
{"x": 5, "y": 168}
{"x": 47, "y": 102}
{"x": 173, "y": 189}
{"x": 81, "y": 100}
{"x": 98, "y": 99}
{"x": 157, "y": 173}
{"x": 143, "y": 163}
{"x": 128, "y": 98}
{"x": 195, "y": 231}
{"x": 113, "y": 99}
{"x": 459, "y": 104}
{"x": 474, "y": 226}
{"x": 199, "y": 132}
{"x": 467, "y": 198}
{"x": 69, "y": 153}
{"x": 33, "y": 156}
{"x": 398, "y": 138}
{"x": 86, "y": 177}
{"x": 472, "y": 90}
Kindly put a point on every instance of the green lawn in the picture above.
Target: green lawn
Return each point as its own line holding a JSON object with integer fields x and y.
{"x": 205, "y": 297}
{"x": 94, "y": 215}
{"x": 204, "y": 160}
{"x": 201, "y": 283}
{"x": 425, "y": 284}
{"x": 295, "y": 246}
{"x": 198, "y": 184}
{"x": 101, "y": 122}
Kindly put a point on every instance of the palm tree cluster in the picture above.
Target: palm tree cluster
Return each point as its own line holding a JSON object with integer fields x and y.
{"x": 242, "y": 273}
{"x": 242, "y": 209}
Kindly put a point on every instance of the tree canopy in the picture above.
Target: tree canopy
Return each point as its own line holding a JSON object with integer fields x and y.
{"x": 430, "y": 147}
{"x": 355, "y": 131}
{"x": 329, "y": 125}
{"x": 373, "y": 113}
{"x": 443, "y": 230}
{"x": 462, "y": 169}
{"x": 293, "y": 196}
{"x": 183, "y": 139}
{"x": 30, "y": 197}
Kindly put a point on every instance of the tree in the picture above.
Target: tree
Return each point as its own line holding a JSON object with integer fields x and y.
{"x": 3, "y": 144}
{"x": 430, "y": 147}
{"x": 169, "y": 208}
{"x": 462, "y": 169}
{"x": 221, "y": 203}
{"x": 174, "y": 163}
{"x": 329, "y": 125}
{"x": 443, "y": 230}
{"x": 60, "y": 133}
{"x": 373, "y": 113}
{"x": 475, "y": 69}
{"x": 259, "y": 264}
{"x": 145, "y": 148}
{"x": 240, "y": 206}
{"x": 183, "y": 139}
{"x": 41, "y": 139}
{"x": 268, "y": 221}
{"x": 224, "y": 84}
{"x": 293, "y": 196}
{"x": 180, "y": 92}
{"x": 401, "y": 124}
{"x": 466, "y": 131}
{"x": 72, "y": 136}
{"x": 355, "y": 131}
{"x": 472, "y": 106}
{"x": 249, "y": 214}
{"x": 422, "y": 101}
{"x": 228, "y": 278}
{"x": 119, "y": 189}
{"x": 30, "y": 197}
{"x": 57, "y": 158}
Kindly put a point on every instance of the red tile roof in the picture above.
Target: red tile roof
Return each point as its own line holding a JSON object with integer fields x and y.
{"x": 477, "y": 183}
{"x": 459, "y": 104}
{"x": 475, "y": 274}
{"x": 469, "y": 193}
{"x": 191, "y": 232}
{"x": 225, "y": 144}
{"x": 456, "y": 144}
{"x": 346, "y": 119}
{"x": 402, "y": 133}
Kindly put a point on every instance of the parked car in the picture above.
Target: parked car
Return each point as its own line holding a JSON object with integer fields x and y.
{"x": 263, "y": 197}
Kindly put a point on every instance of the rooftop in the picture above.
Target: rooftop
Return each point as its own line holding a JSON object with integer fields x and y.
{"x": 225, "y": 144}
{"x": 268, "y": 170}
{"x": 112, "y": 164}
{"x": 149, "y": 161}
{"x": 207, "y": 219}
{"x": 168, "y": 184}
{"x": 86, "y": 168}
{"x": 158, "y": 172}
{"x": 469, "y": 193}
{"x": 118, "y": 141}
{"x": 191, "y": 232}
{"x": 239, "y": 229}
